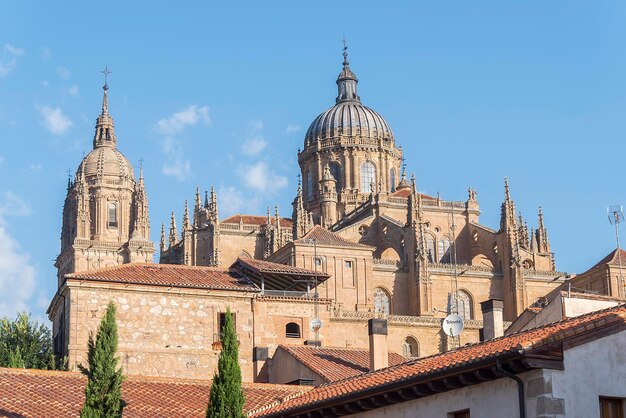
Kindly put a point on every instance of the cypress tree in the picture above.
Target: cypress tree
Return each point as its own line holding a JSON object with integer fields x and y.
{"x": 103, "y": 393}
{"x": 226, "y": 399}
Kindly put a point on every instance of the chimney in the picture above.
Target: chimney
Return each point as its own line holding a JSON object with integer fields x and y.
{"x": 377, "y": 330}
{"x": 493, "y": 325}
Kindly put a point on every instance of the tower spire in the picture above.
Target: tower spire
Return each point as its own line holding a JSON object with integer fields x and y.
{"x": 347, "y": 81}
{"x": 105, "y": 133}
{"x": 186, "y": 222}
{"x": 173, "y": 233}
{"x": 162, "y": 236}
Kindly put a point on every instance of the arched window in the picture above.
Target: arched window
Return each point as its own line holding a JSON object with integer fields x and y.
{"x": 444, "y": 251}
{"x": 430, "y": 248}
{"x": 381, "y": 301}
{"x": 112, "y": 215}
{"x": 309, "y": 185}
{"x": 368, "y": 176}
{"x": 335, "y": 170}
{"x": 461, "y": 304}
{"x": 292, "y": 330}
{"x": 410, "y": 347}
{"x": 392, "y": 179}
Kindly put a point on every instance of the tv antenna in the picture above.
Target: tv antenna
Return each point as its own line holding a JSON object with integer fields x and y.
{"x": 616, "y": 216}
{"x": 316, "y": 323}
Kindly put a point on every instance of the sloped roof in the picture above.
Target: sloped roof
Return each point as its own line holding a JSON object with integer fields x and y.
{"x": 168, "y": 275}
{"x": 325, "y": 237}
{"x": 335, "y": 364}
{"x": 256, "y": 220}
{"x": 269, "y": 267}
{"x": 278, "y": 276}
{"x": 611, "y": 259}
{"x": 406, "y": 192}
{"x": 43, "y": 393}
{"x": 426, "y": 369}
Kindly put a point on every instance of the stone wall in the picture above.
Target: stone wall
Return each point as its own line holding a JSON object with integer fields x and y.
{"x": 162, "y": 331}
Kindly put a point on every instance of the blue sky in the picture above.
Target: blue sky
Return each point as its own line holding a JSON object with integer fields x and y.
{"x": 221, "y": 94}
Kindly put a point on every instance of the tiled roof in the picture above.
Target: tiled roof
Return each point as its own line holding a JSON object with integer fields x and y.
{"x": 422, "y": 369}
{"x": 336, "y": 363}
{"x": 42, "y": 393}
{"x": 407, "y": 192}
{"x": 168, "y": 275}
{"x": 269, "y": 267}
{"x": 611, "y": 259}
{"x": 256, "y": 220}
{"x": 325, "y": 237}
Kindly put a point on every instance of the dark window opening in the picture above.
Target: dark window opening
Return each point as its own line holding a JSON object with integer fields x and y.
{"x": 611, "y": 408}
{"x": 292, "y": 330}
{"x": 112, "y": 215}
{"x": 302, "y": 382}
{"x": 222, "y": 322}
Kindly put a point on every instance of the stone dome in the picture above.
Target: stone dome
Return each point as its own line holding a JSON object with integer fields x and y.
{"x": 108, "y": 162}
{"x": 348, "y": 117}
{"x": 105, "y": 160}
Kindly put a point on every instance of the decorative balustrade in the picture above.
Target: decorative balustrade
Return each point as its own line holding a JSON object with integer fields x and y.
{"x": 462, "y": 268}
{"x": 403, "y": 319}
{"x": 543, "y": 273}
{"x": 388, "y": 262}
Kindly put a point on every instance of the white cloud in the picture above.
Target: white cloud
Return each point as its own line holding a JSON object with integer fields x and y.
{"x": 45, "y": 83}
{"x": 63, "y": 72}
{"x": 7, "y": 67}
{"x": 12, "y": 50}
{"x": 17, "y": 275}
{"x": 13, "y": 205}
{"x": 46, "y": 54}
{"x": 292, "y": 128}
{"x": 73, "y": 90}
{"x": 176, "y": 165}
{"x": 1, "y": 160}
{"x": 261, "y": 178}
{"x": 255, "y": 143}
{"x": 180, "y": 120}
{"x": 35, "y": 167}
{"x": 54, "y": 120}
{"x": 232, "y": 200}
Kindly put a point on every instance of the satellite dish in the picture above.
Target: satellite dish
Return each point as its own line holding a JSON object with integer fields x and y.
{"x": 453, "y": 325}
{"x": 316, "y": 324}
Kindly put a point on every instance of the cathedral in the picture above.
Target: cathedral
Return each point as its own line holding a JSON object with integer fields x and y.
{"x": 361, "y": 243}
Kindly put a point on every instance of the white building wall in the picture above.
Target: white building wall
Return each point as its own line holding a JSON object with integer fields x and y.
{"x": 497, "y": 398}
{"x": 595, "y": 369}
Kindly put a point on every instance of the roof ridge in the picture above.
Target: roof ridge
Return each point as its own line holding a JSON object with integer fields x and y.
{"x": 465, "y": 355}
{"x": 77, "y": 274}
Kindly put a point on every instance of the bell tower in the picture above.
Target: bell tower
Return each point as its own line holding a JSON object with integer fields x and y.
{"x": 105, "y": 214}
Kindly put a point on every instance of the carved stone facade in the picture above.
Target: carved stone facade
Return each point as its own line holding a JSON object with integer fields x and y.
{"x": 105, "y": 215}
{"x": 387, "y": 250}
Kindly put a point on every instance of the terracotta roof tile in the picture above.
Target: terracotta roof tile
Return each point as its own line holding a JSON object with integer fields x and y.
{"x": 256, "y": 220}
{"x": 407, "y": 192}
{"x": 168, "y": 275}
{"x": 325, "y": 237}
{"x": 611, "y": 259}
{"x": 42, "y": 393}
{"x": 269, "y": 267}
{"x": 421, "y": 369}
{"x": 336, "y": 363}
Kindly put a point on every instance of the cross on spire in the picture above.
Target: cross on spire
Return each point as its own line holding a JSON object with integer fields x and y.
{"x": 106, "y": 73}
{"x": 345, "y": 51}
